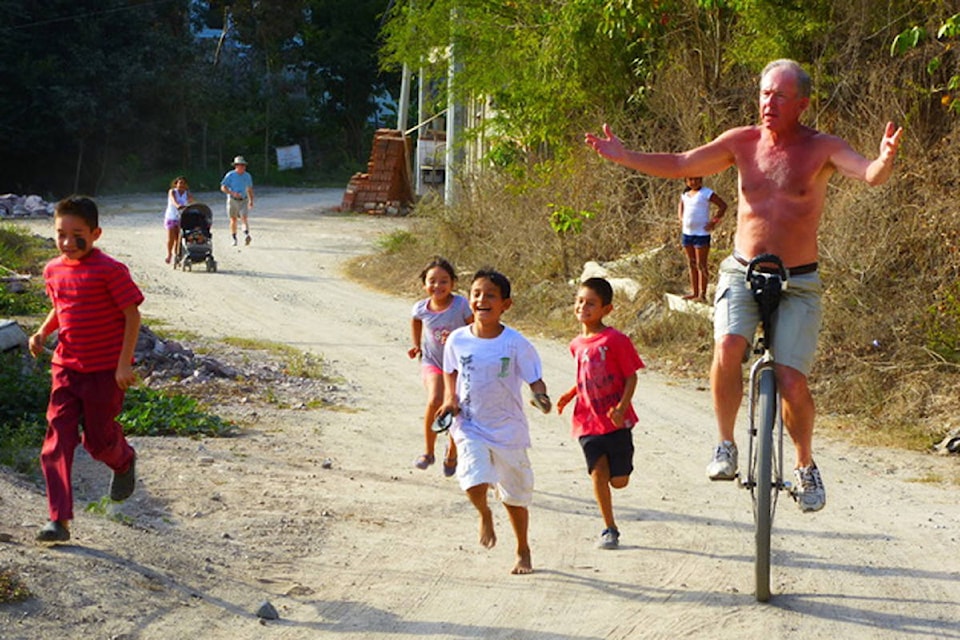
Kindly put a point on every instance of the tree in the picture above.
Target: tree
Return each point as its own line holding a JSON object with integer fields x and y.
{"x": 544, "y": 63}
{"x": 85, "y": 88}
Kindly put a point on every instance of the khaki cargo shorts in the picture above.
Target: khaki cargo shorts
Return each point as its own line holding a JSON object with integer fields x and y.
{"x": 796, "y": 323}
{"x": 236, "y": 208}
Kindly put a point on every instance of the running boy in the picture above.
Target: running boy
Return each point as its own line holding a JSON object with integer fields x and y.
{"x": 484, "y": 366}
{"x": 95, "y": 308}
{"x": 603, "y": 417}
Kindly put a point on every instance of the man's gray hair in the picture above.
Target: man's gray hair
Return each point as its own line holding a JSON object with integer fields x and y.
{"x": 804, "y": 83}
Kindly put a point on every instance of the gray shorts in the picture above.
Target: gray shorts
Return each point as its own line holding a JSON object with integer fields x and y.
{"x": 797, "y": 320}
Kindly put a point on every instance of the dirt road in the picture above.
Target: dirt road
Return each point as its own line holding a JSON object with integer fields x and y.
{"x": 372, "y": 548}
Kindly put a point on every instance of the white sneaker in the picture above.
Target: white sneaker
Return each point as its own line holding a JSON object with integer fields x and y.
{"x": 724, "y": 463}
{"x": 809, "y": 492}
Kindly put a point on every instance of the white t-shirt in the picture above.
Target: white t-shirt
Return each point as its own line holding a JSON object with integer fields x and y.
{"x": 696, "y": 211}
{"x": 490, "y": 375}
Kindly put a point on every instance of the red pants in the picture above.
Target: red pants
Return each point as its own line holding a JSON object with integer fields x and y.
{"x": 95, "y": 400}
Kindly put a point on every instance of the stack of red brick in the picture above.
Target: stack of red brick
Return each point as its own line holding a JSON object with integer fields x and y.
{"x": 386, "y": 187}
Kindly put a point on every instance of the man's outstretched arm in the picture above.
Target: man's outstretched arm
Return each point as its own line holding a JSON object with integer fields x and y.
{"x": 874, "y": 172}
{"x": 711, "y": 158}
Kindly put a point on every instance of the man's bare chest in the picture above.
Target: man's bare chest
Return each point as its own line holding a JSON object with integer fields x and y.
{"x": 785, "y": 172}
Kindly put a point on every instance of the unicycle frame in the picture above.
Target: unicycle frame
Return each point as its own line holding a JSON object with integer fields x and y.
{"x": 764, "y": 477}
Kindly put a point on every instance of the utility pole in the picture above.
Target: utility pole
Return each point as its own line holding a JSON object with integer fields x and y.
{"x": 453, "y": 155}
{"x": 404, "y": 106}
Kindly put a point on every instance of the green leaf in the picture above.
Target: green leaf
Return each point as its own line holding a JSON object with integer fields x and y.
{"x": 907, "y": 40}
{"x": 950, "y": 28}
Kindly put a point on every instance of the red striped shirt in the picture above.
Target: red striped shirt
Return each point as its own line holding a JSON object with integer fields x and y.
{"x": 89, "y": 297}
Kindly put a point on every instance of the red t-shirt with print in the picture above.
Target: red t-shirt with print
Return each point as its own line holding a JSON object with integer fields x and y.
{"x": 604, "y": 362}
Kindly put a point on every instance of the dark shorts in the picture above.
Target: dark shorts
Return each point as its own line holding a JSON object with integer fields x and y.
{"x": 616, "y": 445}
{"x": 694, "y": 241}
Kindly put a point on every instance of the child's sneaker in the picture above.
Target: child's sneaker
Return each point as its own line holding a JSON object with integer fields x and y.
{"x": 609, "y": 539}
{"x": 54, "y": 531}
{"x": 122, "y": 484}
{"x": 247, "y": 239}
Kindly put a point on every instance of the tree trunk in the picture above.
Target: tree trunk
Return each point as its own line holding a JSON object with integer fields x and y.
{"x": 76, "y": 175}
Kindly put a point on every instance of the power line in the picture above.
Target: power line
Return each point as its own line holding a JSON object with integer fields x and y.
{"x": 84, "y": 16}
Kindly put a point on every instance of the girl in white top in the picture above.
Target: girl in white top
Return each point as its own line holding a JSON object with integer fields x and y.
{"x": 694, "y": 213}
{"x": 434, "y": 318}
{"x": 177, "y": 198}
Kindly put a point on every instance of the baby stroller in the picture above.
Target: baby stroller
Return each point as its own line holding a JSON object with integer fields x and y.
{"x": 196, "y": 239}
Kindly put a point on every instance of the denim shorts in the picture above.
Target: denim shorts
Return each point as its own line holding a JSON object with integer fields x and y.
{"x": 694, "y": 241}
{"x": 796, "y": 322}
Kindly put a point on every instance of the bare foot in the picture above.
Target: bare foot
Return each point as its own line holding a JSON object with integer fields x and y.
{"x": 702, "y": 300}
{"x": 691, "y": 296}
{"x": 488, "y": 537}
{"x": 524, "y": 564}
{"x": 168, "y": 259}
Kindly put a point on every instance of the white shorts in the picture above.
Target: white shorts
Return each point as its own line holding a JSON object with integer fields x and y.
{"x": 508, "y": 470}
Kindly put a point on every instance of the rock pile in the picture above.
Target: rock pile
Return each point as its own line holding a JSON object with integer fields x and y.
{"x": 14, "y": 206}
{"x": 170, "y": 364}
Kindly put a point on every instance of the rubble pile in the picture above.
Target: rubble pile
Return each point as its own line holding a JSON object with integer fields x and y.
{"x": 168, "y": 364}
{"x": 14, "y": 206}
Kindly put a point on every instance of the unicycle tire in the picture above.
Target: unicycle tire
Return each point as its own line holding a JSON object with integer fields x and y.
{"x": 765, "y": 485}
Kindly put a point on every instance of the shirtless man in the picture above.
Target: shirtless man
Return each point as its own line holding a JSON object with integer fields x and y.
{"x": 783, "y": 169}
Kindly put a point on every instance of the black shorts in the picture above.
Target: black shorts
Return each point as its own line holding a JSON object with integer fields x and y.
{"x": 616, "y": 445}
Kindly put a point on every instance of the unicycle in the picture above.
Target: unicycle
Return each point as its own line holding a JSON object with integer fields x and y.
{"x": 766, "y": 279}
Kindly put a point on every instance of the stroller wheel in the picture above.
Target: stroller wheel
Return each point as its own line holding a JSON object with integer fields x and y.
{"x": 211, "y": 265}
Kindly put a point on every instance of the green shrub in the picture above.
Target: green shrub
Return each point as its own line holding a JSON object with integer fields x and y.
{"x": 32, "y": 301}
{"x": 151, "y": 412}
{"x": 12, "y": 587}
{"x": 26, "y": 254}
{"x": 396, "y": 241}
{"x": 24, "y": 389}
{"x": 943, "y": 325}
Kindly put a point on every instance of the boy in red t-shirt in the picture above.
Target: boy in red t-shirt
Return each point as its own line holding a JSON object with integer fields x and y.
{"x": 95, "y": 309}
{"x": 603, "y": 417}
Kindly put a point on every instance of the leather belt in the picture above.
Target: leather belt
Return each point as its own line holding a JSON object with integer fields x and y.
{"x": 799, "y": 270}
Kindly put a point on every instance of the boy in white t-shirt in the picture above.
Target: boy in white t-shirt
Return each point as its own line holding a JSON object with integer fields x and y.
{"x": 485, "y": 365}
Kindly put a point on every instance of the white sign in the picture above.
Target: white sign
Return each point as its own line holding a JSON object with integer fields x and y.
{"x": 289, "y": 157}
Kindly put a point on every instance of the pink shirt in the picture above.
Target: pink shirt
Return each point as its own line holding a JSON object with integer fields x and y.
{"x": 89, "y": 297}
{"x": 604, "y": 362}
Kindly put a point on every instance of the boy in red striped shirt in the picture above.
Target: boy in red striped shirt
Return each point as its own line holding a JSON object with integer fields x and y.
{"x": 96, "y": 310}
